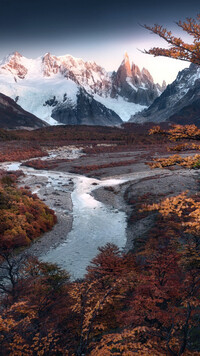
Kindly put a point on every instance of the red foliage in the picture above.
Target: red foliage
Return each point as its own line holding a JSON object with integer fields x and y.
{"x": 19, "y": 151}
{"x": 44, "y": 164}
{"x": 87, "y": 169}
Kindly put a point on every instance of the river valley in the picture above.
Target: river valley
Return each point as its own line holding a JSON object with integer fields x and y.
{"x": 92, "y": 211}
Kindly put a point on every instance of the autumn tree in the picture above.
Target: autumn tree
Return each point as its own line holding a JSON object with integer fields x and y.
{"x": 99, "y": 297}
{"x": 34, "y": 305}
{"x": 11, "y": 273}
{"x": 177, "y": 132}
{"x": 178, "y": 49}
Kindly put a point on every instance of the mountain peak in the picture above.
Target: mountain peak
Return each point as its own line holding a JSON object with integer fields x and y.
{"x": 135, "y": 70}
{"x": 14, "y": 64}
{"x": 145, "y": 73}
{"x": 135, "y": 85}
{"x": 50, "y": 64}
{"x": 16, "y": 54}
{"x": 164, "y": 85}
{"x": 12, "y": 56}
{"x": 125, "y": 67}
{"x": 126, "y": 56}
{"x": 46, "y": 55}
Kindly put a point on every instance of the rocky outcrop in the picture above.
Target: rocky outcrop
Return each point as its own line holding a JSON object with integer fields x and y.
{"x": 12, "y": 116}
{"x": 50, "y": 65}
{"x": 134, "y": 85}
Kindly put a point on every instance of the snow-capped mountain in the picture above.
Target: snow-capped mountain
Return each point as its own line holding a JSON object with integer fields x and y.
{"x": 66, "y": 90}
{"x": 135, "y": 85}
{"x": 180, "y": 101}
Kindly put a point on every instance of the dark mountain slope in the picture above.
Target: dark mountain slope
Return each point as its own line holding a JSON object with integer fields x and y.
{"x": 88, "y": 111}
{"x": 174, "y": 102}
{"x": 12, "y": 116}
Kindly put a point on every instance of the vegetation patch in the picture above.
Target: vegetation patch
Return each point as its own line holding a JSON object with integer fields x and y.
{"x": 44, "y": 164}
{"x": 90, "y": 168}
{"x": 23, "y": 216}
{"x": 184, "y": 147}
{"x": 16, "y": 151}
{"x": 192, "y": 162}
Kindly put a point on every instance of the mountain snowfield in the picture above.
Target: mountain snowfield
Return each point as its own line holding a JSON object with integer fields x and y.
{"x": 74, "y": 91}
{"x": 123, "y": 108}
{"x": 32, "y": 95}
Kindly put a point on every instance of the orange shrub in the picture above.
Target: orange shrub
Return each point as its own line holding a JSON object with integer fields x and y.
{"x": 23, "y": 216}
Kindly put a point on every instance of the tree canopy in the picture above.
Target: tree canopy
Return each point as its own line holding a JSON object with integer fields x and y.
{"x": 178, "y": 48}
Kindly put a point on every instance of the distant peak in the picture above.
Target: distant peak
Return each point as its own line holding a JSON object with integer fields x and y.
{"x": 146, "y": 74}
{"x": 126, "y": 56}
{"x": 12, "y": 56}
{"x": 16, "y": 54}
{"x": 135, "y": 70}
{"x": 47, "y": 55}
{"x": 48, "y": 58}
{"x": 125, "y": 66}
{"x": 145, "y": 71}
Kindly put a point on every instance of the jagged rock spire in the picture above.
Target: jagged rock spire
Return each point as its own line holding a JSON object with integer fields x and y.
{"x": 164, "y": 85}
{"x": 126, "y": 66}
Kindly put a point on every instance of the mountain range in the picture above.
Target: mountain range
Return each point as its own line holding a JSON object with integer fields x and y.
{"x": 68, "y": 90}
{"x": 179, "y": 102}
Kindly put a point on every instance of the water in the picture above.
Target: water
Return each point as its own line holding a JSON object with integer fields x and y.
{"x": 14, "y": 166}
{"x": 94, "y": 225}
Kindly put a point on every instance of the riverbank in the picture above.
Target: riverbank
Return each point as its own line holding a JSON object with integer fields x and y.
{"x": 55, "y": 191}
{"x": 93, "y": 211}
{"x": 146, "y": 187}
{"x": 83, "y": 224}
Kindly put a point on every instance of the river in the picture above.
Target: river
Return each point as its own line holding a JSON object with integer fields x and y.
{"x": 94, "y": 223}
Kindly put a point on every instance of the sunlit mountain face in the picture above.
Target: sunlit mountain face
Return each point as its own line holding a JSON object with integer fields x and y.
{"x": 59, "y": 88}
{"x": 65, "y": 89}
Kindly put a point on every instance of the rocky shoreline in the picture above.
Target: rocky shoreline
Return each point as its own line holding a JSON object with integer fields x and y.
{"x": 58, "y": 199}
{"x": 129, "y": 196}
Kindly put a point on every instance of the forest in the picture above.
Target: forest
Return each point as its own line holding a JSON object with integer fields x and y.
{"x": 144, "y": 302}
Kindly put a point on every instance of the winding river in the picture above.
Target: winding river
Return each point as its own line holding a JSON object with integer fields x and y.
{"x": 94, "y": 223}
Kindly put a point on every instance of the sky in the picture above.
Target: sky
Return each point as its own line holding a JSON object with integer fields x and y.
{"x": 93, "y": 30}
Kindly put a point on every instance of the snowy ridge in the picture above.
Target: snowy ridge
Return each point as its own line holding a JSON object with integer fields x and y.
{"x": 172, "y": 104}
{"x": 48, "y": 82}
